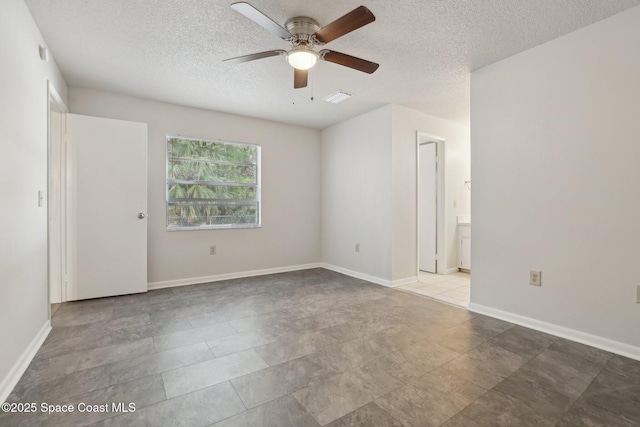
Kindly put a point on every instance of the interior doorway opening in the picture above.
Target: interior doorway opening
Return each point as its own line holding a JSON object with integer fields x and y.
{"x": 428, "y": 207}
{"x": 436, "y": 279}
{"x": 430, "y": 204}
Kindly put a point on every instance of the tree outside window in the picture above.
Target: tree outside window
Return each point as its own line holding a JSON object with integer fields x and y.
{"x": 212, "y": 184}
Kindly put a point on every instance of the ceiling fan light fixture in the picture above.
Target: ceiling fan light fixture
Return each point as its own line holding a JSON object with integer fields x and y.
{"x": 303, "y": 34}
{"x": 302, "y": 57}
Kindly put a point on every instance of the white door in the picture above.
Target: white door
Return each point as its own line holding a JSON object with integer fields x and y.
{"x": 106, "y": 207}
{"x": 427, "y": 207}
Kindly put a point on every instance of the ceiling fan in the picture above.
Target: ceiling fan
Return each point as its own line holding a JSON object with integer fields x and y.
{"x": 303, "y": 33}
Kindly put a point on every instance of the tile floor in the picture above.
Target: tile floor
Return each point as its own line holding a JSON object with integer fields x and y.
{"x": 450, "y": 288}
{"x": 312, "y": 348}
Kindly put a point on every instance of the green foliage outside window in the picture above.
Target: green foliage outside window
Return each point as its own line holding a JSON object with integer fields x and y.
{"x": 212, "y": 184}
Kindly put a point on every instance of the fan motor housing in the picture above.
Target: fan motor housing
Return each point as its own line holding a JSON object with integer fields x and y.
{"x": 302, "y": 27}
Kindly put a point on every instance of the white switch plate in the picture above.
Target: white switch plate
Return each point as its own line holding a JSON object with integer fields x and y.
{"x": 535, "y": 278}
{"x": 357, "y": 247}
{"x": 212, "y": 250}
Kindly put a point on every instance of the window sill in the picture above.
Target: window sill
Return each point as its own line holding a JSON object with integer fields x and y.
{"x": 215, "y": 227}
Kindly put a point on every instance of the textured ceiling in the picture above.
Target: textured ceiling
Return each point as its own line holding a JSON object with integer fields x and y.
{"x": 172, "y": 51}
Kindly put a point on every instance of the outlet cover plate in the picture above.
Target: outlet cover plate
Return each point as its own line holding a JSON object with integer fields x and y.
{"x": 212, "y": 250}
{"x": 535, "y": 278}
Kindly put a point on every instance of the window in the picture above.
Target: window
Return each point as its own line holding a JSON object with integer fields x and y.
{"x": 212, "y": 184}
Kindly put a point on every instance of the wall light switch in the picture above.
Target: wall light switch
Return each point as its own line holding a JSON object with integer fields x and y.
{"x": 212, "y": 250}
{"x": 357, "y": 247}
{"x": 535, "y": 278}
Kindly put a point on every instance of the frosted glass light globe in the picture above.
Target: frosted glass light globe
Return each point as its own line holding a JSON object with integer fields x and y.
{"x": 302, "y": 58}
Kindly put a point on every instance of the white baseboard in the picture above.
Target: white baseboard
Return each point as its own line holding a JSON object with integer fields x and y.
{"x": 242, "y": 274}
{"x": 451, "y": 270}
{"x": 228, "y": 276}
{"x": 358, "y": 275}
{"x": 606, "y": 344}
{"x": 21, "y": 365}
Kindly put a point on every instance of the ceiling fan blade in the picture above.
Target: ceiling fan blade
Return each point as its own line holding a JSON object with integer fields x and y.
{"x": 261, "y": 19}
{"x": 254, "y": 56}
{"x": 300, "y": 78}
{"x": 349, "y": 61}
{"x": 353, "y": 20}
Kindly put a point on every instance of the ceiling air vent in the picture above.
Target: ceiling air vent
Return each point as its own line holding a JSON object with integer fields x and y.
{"x": 337, "y": 97}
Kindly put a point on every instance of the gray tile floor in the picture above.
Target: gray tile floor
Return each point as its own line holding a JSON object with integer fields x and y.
{"x": 313, "y": 348}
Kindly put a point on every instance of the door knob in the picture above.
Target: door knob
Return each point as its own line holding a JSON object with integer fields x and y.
{"x": 141, "y": 215}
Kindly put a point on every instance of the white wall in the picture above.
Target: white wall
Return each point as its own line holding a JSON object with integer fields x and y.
{"x": 556, "y": 146}
{"x": 290, "y": 233}
{"x": 406, "y": 123}
{"x": 23, "y": 171}
{"x": 356, "y": 194}
{"x": 369, "y": 190}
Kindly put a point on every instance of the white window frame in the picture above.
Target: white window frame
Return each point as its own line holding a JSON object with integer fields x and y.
{"x": 258, "y": 187}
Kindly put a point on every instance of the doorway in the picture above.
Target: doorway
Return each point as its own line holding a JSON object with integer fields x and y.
{"x": 86, "y": 204}
{"x": 430, "y": 206}
{"x": 435, "y": 279}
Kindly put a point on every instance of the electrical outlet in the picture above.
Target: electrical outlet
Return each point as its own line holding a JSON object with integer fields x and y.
{"x": 535, "y": 278}
{"x": 212, "y": 250}
{"x": 357, "y": 247}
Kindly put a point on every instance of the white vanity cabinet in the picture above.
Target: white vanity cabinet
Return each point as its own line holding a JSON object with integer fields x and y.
{"x": 464, "y": 246}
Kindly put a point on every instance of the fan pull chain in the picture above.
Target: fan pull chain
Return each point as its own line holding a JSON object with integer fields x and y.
{"x": 313, "y": 79}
